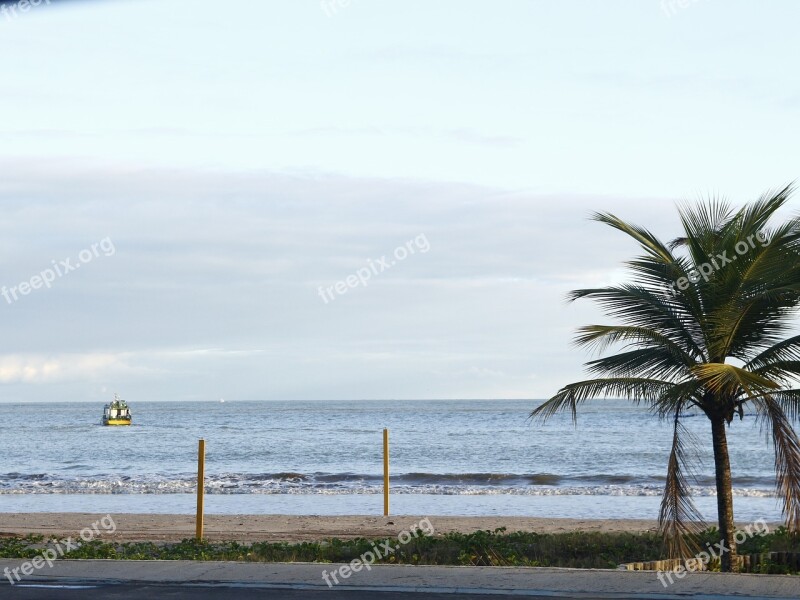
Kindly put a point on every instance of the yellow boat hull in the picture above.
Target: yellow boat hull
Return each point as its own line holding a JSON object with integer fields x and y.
{"x": 117, "y": 422}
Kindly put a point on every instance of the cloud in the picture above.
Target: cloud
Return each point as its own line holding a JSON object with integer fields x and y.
{"x": 213, "y": 286}
{"x": 42, "y": 368}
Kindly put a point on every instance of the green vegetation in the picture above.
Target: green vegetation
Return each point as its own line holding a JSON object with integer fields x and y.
{"x": 704, "y": 324}
{"x": 497, "y": 548}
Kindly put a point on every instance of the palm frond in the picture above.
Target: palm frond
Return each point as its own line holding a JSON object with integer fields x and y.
{"x": 636, "y": 389}
{"x": 787, "y": 459}
{"x": 728, "y": 380}
{"x": 600, "y": 337}
{"x": 679, "y": 521}
{"x": 788, "y": 349}
{"x": 647, "y": 240}
{"x": 682, "y": 395}
{"x": 655, "y": 363}
{"x": 756, "y": 215}
{"x": 703, "y": 226}
{"x": 763, "y": 292}
{"x": 638, "y": 307}
{"x": 789, "y": 401}
{"x": 785, "y": 372}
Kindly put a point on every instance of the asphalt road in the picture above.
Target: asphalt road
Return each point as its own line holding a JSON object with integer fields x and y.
{"x": 175, "y": 592}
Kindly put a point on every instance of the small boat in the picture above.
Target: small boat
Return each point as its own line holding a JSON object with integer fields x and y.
{"x": 117, "y": 412}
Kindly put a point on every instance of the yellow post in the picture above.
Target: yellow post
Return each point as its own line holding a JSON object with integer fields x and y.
{"x": 385, "y": 472}
{"x": 201, "y": 468}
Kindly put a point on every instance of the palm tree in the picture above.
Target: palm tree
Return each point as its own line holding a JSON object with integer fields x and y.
{"x": 703, "y": 324}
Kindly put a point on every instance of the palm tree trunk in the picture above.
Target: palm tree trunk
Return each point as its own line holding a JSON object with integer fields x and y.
{"x": 722, "y": 465}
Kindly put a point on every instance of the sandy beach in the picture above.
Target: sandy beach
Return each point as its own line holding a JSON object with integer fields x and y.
{"x": 161, "y": 527}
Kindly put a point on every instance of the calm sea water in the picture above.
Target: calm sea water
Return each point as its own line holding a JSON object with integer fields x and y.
{"x": 447, "y": 457}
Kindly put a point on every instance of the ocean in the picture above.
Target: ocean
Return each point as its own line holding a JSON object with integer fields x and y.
{"x": 325, "y": 458}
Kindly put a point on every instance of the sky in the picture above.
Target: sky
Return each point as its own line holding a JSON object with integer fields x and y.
{"x": 304, "y": 199}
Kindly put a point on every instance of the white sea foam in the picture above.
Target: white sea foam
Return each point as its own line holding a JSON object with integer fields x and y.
{"x": 326, "y": 484}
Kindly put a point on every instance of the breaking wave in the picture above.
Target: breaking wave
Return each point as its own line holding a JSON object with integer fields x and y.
{"x": 464, "y": 484}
